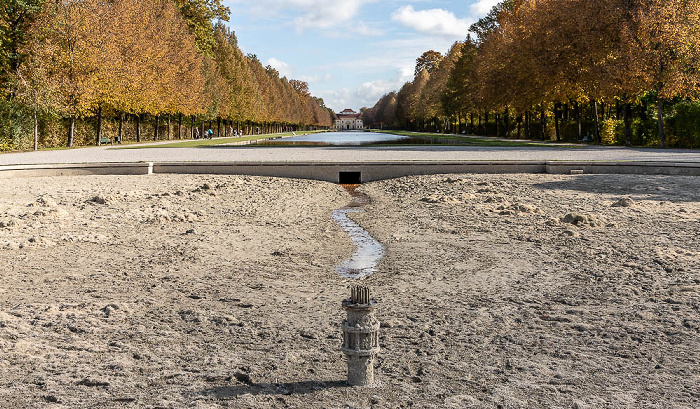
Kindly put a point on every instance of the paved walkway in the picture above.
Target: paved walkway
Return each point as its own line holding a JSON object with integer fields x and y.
{"x": 347, "y": 154}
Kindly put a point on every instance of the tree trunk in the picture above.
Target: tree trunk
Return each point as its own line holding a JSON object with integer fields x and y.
{"x": 579, "y": 124}
{"x": 520, "y": 122}
{"x": 506, "y": 119}
{"x": 121, "y": 127}
{"x": 155, "y": 128}
{"x": 99, "y": 125}
{"x": 498, "y": 124}
{"x": 36, "y": 131}
{"x": 192, "y": 127}
{"x": 71, "y": 131}
{"x": 543, "y": 123}
{"x": 169, "y": 135}
{"x": 218, "y": 127}
{"x": 138, "y": 128}
{"x": 597, "y": 121}
{"x": 179, "y": 126}
{"x": 527, "y": 125}
{"x": 557, "y": 114}
{"x": 660, "y": 110}
{"x": 486, "y": 122}
{"x": 627, "y": 112}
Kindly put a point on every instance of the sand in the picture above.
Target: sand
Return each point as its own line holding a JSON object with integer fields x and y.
{"x": 510, "y": 291}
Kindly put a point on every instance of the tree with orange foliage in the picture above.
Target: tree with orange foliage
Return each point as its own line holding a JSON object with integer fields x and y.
{"x": 669, "y": 32}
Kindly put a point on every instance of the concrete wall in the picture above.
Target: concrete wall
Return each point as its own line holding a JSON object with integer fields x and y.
{"x": 368, "y": 171}
{"x": 76, "y": 169}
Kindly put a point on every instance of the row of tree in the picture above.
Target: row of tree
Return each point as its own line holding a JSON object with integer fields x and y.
{"x": 562, "y": 69}
{"x": 133, "y": 60}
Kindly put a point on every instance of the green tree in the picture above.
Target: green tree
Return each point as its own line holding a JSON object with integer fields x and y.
{"x": 199, "y": 15}
{"x": 16, "y": 16}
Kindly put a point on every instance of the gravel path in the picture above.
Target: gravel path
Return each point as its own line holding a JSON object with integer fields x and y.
{"x": 346, "y": 154}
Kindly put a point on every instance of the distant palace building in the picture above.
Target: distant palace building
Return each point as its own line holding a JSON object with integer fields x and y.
{"x": 348, "y": 119}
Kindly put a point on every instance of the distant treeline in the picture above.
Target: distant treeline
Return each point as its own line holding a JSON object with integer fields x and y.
{"x": 623, "y": 72}
{"x": 72, "y": 72}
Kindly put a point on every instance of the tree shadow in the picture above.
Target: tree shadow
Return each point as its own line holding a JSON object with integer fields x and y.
{"x": 288, "y": 388}
{"x": 637, "y": 187}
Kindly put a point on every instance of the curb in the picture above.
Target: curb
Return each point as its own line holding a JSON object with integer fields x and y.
{"x": 365, "y": 172}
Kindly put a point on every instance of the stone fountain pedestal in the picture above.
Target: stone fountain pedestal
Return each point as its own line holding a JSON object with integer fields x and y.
{"x": 360, "y": 336}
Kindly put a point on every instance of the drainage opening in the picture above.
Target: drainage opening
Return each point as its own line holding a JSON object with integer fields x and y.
{"x": 349, "y": 178}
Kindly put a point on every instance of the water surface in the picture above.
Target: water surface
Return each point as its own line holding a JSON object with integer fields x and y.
{"x": 369, "y": 253}
{"x": 341, "y": 138}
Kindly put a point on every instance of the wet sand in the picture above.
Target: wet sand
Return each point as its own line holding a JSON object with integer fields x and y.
{"x": 512, "y": 291}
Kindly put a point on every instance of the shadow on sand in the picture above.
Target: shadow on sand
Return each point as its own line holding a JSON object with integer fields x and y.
{"x": 289, "y": 388}
{"x": 637, "y": 187}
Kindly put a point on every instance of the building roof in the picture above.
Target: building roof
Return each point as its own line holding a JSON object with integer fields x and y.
{"x": 348, "y": 113}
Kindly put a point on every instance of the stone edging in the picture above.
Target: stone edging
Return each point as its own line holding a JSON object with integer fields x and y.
{"x": 329, "y": 171}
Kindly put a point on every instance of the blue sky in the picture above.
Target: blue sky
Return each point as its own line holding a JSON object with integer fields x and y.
{"x": 351, "y": 52}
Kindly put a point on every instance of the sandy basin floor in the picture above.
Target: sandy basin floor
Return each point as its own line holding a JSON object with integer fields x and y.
{"x": 498, "y": 291}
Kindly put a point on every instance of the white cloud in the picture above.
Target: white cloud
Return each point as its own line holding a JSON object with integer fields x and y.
{"x": 316, "y": 79}
{"x": 315, "y": 14}
{"x": 284, "y": 69}
{"x": 391, "y": 56}
{"x": 482, "y": 7}
{"x": 436, "y": 22}
{"x": 325, "y": 14}
{"x": 366, "y": 95}
{"x": 365, "y": 30}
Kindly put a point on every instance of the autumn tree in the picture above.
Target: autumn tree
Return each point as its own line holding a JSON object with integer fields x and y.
{"x": 549, "y": 58}
{"x": 301, "y": 87}
{"x": 102, "y": 56}
{"x": 458, "y": 95}
{"x": 669, "y": 31}
{"x": 428, "y": 61}
{"x": 431, "y": 107}
{"x": 199, "y": 15}
{"x": 65, "y": 38}
{"x": 408, "y": 101}
{"x": 486, "y": 25}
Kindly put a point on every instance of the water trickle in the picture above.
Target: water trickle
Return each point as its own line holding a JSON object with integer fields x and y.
{"x": 369, "y": 251}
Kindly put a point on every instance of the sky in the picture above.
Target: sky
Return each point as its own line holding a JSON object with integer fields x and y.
{"x": 351, "y": 52}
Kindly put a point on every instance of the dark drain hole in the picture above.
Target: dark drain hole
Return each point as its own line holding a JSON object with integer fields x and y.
{"x": 349, "y": 178}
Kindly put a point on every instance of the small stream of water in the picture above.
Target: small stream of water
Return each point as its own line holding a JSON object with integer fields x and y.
{"x": 369, "y": 251}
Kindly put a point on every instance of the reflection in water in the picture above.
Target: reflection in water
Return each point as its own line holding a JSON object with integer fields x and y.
{"x": 334, "y": 138}
{"x": 369, "y": 251}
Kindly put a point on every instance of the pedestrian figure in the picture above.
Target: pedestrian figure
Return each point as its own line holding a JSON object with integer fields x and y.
{"x": 210, "y": 133}
{"x": 196, "y": 133}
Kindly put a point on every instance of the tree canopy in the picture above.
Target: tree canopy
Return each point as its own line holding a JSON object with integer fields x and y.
{"x": 547, "y": 56}
{"x": 81, "y": 59}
